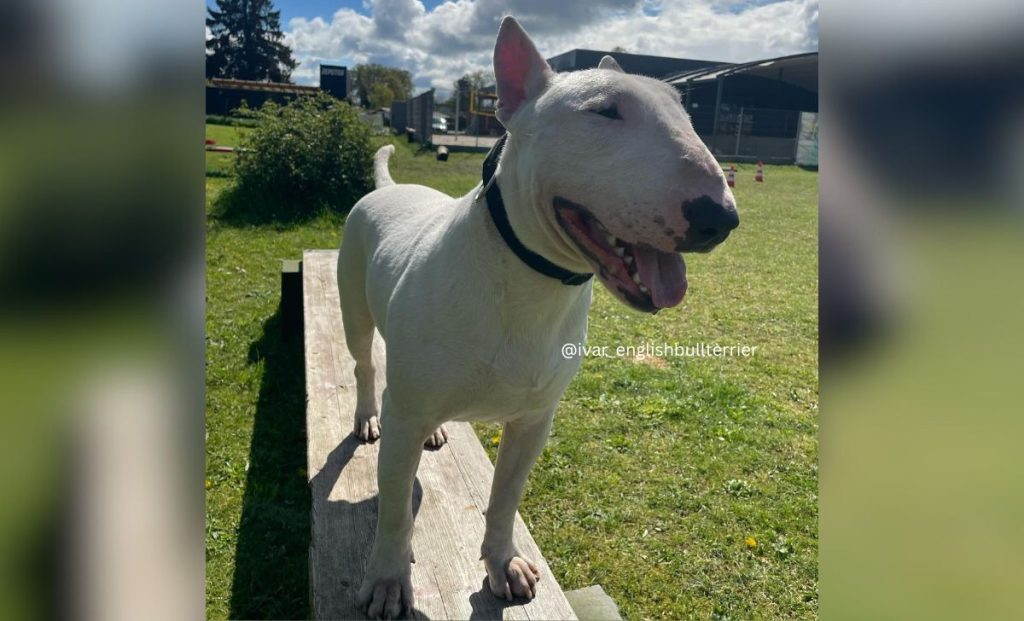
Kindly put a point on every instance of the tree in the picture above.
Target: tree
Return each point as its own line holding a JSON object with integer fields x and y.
{"x": 246, "y": 42}
{"x": 381, "y": 96}
{"x": 476, "y": 81}
{"x": 619, "y": 48}
{"x": 377, "y": 86}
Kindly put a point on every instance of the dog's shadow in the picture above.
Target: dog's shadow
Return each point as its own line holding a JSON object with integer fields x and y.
{"x": 344, "y": 549}
{"x": 352, "y": 529}
{"x": 487, "y": 606}
{"x": 272, "y": 567}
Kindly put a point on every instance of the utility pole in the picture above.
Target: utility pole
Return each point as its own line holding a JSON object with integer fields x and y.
{"x": 739, "y": 130}
{"x": 458, "y": 99}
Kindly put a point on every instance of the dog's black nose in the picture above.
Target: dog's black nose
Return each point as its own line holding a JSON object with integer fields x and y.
{"x": 710, "y": 223}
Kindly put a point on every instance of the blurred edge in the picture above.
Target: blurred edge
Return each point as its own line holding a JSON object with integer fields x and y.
{"x": 101, "y": 221}
{"x": 921, "y": 249}
{"x": 101, "y": 309}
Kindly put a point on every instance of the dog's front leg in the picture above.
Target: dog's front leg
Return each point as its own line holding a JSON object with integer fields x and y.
{"x": 387, "y": 587}
{"x": 522, "y": 442}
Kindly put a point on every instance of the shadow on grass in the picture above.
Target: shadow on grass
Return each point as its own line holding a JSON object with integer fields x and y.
{"x": 239, "y": 207}
{"x": 271, "y": 578}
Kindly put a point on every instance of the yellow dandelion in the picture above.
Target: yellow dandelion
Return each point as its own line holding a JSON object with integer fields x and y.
{"x": 208, "y": 484}
{"x": 496, "y": 440}
{"x": 751, "y": 543}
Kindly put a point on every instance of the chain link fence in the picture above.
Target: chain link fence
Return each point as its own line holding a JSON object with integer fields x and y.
{"x": 754, "y": 134}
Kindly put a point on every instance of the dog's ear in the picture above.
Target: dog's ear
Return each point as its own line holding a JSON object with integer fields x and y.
{"x": 607, "y": 62}
{"x": 521, "y": 72}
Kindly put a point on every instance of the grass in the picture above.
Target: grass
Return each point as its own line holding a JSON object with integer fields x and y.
{"x": 660, "y": 473}
{"x": 219, "y": 164}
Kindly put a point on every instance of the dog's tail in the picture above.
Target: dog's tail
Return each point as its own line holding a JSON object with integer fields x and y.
{"x": 381, "y": 176}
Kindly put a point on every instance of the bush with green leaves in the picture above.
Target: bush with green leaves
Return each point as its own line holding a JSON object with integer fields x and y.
{"x": 308, "y": 155}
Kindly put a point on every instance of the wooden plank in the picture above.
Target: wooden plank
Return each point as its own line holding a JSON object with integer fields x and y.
{"x": 593, "y": 604}
{"x": 450, "y": 494}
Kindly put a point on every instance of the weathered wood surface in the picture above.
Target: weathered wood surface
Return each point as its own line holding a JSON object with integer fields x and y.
{"x": 451, "y": 490}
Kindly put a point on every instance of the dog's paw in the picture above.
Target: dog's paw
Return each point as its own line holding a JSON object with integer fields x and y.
{"x": 367, "y": 428}
{"x": 388, "y": 597}
{"x": 437, "y": 439}
{"x": 516, "y": 577}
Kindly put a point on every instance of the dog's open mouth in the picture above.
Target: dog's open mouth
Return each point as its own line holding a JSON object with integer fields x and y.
{"x": 642, "y": 277}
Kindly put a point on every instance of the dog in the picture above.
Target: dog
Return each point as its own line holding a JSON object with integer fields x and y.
{"x": 600, "y": 173}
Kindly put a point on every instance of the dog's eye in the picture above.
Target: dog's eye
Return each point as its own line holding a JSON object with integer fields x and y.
{"x": 610, "y": 112}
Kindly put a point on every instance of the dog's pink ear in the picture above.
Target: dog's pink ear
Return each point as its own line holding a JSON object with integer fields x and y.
{"x": 521, "y": 72}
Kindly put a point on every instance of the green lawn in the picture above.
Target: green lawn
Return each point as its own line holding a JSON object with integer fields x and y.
{"x": 658, "y": 471}
{"x": 219, "y": 164}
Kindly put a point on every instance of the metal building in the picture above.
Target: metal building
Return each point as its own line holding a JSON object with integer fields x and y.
{"x": 748, "y": 111}
{"x": 641, "y": 64}
{"x": 224, "y": 95}
{"x": 753, "y": 111}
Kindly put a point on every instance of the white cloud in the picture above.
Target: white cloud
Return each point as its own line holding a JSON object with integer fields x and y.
{"x": 457, "y": 36}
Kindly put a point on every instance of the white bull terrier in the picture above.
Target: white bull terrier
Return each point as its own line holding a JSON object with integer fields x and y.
{"x": 601, "y": 172}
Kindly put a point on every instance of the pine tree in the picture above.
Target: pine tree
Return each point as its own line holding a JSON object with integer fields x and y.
{"x": 247, "y": 43}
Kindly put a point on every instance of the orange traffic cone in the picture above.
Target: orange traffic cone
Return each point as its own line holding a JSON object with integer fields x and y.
{"x": 759, "y": 175}
{"x": 730, "y": 176}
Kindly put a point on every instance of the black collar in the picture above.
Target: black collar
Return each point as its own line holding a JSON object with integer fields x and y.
{"x": 496, "y": 207}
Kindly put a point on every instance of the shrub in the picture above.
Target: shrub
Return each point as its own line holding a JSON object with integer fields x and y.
{"x": 242, "y": 116}
{"x": 303, "y": 157}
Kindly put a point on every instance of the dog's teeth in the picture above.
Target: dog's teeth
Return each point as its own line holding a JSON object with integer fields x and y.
{"x": 611, "y": 239}
{"x": 644, "y": 289}
{"x": 636, "y": 279}
{"x": 619, "y": 250}
{"x": 627, "y": 260}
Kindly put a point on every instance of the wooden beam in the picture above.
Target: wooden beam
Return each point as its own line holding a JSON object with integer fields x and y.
{"x": 291, "y": 298}
{"x": 450, "y": 492}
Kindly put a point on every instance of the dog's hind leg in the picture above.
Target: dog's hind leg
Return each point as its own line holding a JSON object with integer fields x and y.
{"x": 359, "y": 332}
{"x": 359, "y": 329}
{"x": 437, "y": 439}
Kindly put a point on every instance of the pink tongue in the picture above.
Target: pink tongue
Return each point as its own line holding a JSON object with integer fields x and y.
{"x": 664, "y": 273}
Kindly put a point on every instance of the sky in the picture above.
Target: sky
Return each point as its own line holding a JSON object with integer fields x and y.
{"x": 440, "y": 41}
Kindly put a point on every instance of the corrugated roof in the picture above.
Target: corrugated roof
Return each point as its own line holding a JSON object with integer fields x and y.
{"x": 253, "y": 85}
{"x": 798, "y": 69}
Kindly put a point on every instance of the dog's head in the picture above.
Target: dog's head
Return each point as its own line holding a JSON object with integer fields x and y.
{"x": 607, "y": 174}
